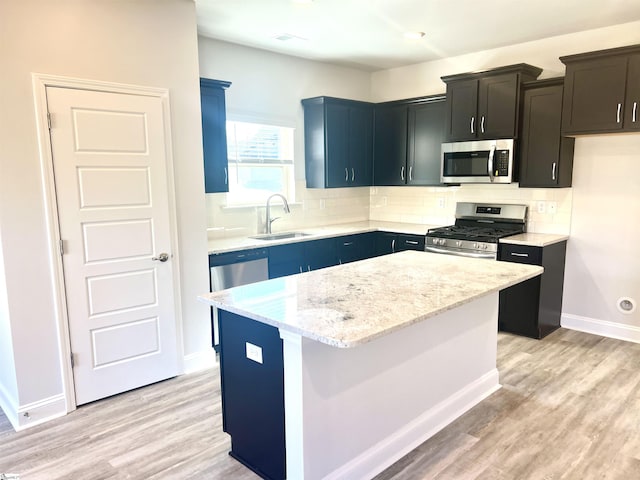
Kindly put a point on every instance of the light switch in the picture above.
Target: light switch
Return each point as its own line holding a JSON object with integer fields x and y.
{"x": 254, "y": 352}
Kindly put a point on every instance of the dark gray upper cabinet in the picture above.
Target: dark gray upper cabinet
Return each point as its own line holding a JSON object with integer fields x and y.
{"x": 338, "y": 136}
{"x": 546, "y": 157}
{"x": 485, "y": 105}
{"x": 602, "y": 91}
{"x": 214, "y": 135}
{"x": 407, "y": 140}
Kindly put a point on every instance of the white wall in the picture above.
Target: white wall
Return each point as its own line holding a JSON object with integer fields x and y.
{"x": 140, "y": 42}
{"x": 8, "y": 384}
{"x": 268, "y": 87}
{"x": 424, "y": 78}
{"x": 603, "y": 262}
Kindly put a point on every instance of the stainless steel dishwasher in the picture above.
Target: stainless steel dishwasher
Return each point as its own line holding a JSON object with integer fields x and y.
{"x": 233, "y": 270}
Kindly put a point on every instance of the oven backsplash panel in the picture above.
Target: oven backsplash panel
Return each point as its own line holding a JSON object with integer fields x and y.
{"x": 549, "y": 209}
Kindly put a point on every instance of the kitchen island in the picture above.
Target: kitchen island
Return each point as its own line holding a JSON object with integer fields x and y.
{"x": 338, "y": 373}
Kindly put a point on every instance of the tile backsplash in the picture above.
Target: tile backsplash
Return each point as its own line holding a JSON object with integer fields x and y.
{"x": 549, "y": 209}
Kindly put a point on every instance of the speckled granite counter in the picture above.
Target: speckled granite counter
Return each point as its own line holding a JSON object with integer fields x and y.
{"x": 351, "y": 304}
{"x": 535, "y": 239}
{"x": 232, "y": 244}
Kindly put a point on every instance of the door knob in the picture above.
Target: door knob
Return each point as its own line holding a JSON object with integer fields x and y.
{"x": 163, "y": 257}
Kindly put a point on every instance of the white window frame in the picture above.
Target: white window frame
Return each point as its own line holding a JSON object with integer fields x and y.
{"x": 235, "y": 198}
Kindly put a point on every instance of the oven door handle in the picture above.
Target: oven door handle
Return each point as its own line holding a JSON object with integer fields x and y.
{"x": 492, "y": 152}
{"x": 460, "y": 254}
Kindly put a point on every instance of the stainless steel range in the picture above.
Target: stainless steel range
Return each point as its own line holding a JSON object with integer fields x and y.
{"x": 477, "y": 229}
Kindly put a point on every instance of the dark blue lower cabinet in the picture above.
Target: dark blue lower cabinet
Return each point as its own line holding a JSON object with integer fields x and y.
{"x": 253, "y": 393}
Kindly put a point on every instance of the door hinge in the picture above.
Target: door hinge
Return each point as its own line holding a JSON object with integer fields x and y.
{"x": 73, "y": 360}
{"x": 61, "y": 246}
{"x": 49, "y": 120}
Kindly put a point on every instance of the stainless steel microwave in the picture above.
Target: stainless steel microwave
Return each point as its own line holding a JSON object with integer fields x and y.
{"x": 480, "y": 161}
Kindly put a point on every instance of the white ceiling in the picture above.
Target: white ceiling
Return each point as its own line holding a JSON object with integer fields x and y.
{"x": 368, "y": 34}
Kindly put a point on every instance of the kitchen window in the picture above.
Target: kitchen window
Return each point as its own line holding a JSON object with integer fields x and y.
{"x": 260, "y": 162}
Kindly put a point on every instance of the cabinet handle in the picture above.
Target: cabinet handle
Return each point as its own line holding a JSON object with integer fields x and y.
{"x": 473, "y": 124}
{"x": 226, "y": 176}
{"x": 300, "y": 268}
{"x": 347, "y": 244}
{"x": 353, "y": 174}
{"x": 393, "y": 245}
{"x": 402, "y": 173}
{"x": 411, "y": 173}
{"x": 519, "y": 254}
{"x": 308, "y": 268}
{"x": 412, "y": 242}
{"x": 618, "y": 113}
{"x": 553, "y": 171}
{"x": 635, "y": 112}
{"x": 346, "y": 174}
{"x": 482, "y": 124}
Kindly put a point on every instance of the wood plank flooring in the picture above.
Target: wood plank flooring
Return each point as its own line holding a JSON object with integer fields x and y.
{"x": 569, "y": 409}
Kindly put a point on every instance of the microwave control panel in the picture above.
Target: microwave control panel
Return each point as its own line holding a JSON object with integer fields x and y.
{"x": 501, "y": 163}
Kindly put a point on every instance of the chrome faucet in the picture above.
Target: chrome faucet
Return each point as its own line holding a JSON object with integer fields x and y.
{"x": 269, "y": 220}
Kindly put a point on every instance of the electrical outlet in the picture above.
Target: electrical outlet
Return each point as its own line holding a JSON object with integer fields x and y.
{"x": 254, "y": 352}
{"x": 541, "y": 207}
{"x": 440, "y": 202}
{"x": 552, "y": 207}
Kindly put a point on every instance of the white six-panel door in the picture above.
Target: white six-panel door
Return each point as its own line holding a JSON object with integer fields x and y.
{"x": 109, "y": 163}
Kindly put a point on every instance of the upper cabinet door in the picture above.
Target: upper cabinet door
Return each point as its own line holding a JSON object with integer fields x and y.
{"x": 390, "y": 145}
{"x": 546, "y": 158}
{"x": 632, "y": 105}
{"x": 426, "y": 134}
{"x": 594, "y": 95}
{"x": 497, "y": 106}
{"x": 214, "y": 135}
{"x": 485, "y": 105}
{"x": 360, "y": 160}
{"x": 462, "y": 103}
{"x": 337, "y": 142}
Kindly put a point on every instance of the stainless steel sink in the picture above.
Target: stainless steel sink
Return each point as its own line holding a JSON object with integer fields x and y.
{"x": 280, "y": 236}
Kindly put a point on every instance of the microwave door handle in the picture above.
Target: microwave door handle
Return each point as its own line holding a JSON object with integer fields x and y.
{"x": 492, "y": 151}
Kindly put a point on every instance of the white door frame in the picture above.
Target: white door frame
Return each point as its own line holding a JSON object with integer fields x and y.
{"x": 40, "y": 82}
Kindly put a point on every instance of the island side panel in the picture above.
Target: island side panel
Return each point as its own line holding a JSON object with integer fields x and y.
{"x": 252, "y": 384}
{"x": 352, "y": 412}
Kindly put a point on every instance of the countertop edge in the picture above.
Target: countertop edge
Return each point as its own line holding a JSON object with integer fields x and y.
{"x": 535, "y": 239}
{"x": 206, "y": 298}
{"x": 235, "y": 244}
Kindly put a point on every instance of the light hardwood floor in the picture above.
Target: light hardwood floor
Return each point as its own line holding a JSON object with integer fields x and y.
{"x": 569, "y": 409}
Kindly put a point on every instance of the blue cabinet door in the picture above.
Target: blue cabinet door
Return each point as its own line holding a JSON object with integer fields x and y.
{"x": 214, "y": 135}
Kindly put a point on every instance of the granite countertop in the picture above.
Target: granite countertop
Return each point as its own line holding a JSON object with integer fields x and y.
{"x": 348, "y": 305}
{"x": 535, "y": 239}
{"x": 233, "y": 244}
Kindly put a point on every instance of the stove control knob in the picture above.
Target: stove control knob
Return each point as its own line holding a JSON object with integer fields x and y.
{"x": 485, "y": 246}
{"x": 458, "y": 243}
{"x": 475, "y": 245}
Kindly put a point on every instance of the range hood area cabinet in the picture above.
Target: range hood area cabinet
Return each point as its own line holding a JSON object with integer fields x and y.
{"x": 338, "y": 142}
{"x": 214, "y": 135}
{"x": 602, "y": 92}
{"x": 485, "y": 105}
{"x": 408, "y": 135}
{"x": 546, "y": 157}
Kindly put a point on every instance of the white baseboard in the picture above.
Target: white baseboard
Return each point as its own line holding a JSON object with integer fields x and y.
{"x": 603, "y": 328}
{"x": 32, "y": 414}
{"x": 392, "y": 449}
{"x": 195, "y": 362}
